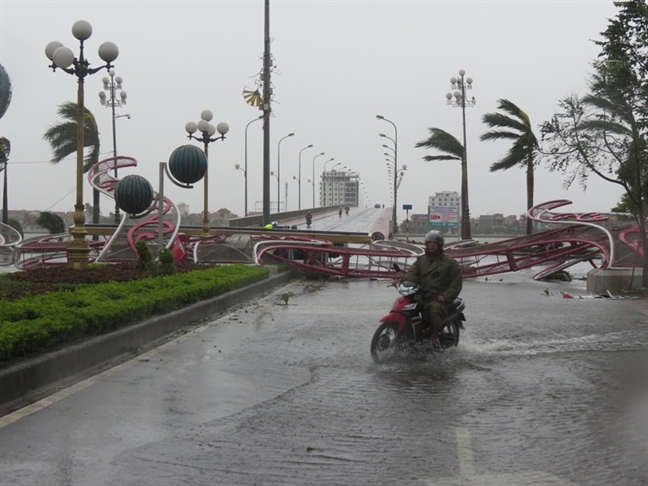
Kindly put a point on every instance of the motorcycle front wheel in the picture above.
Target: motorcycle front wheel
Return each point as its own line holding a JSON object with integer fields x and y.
{"x": 387, "y": 342}
{"x": 449, "y": 335}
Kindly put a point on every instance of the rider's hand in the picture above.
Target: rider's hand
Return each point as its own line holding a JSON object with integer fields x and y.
{"x": 441, "y": 298}
{"x": 395, "y": 281}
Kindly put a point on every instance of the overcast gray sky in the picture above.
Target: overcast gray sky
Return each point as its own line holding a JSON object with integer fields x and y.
{"x": 337, "y": 65}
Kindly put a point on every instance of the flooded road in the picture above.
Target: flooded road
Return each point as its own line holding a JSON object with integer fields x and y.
{"x": 542, "y": 390}
{"x": 358, "y": 220}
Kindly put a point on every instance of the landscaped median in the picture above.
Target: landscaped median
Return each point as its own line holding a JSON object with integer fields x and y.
{"x": 37, "y": 323}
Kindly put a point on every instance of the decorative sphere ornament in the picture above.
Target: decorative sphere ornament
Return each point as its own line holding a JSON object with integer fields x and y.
{"x": 188, "y": 164}
{"x": 134, "y": 194}
{"x": 5, "y": 91}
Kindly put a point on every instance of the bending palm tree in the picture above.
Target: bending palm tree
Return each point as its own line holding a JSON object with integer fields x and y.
{"x": 63, "y": 140}
{"x": 452, "y": 149}
{"x": 517, "y": 128}
{"x": 53, "y": 223}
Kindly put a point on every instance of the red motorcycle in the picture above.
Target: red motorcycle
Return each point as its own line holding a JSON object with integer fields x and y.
{"x": 403, "y": 331}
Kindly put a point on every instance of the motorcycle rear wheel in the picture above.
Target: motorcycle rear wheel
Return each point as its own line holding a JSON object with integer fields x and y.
{"x": 449, "y": 335}
{"x": 387, "y": 342}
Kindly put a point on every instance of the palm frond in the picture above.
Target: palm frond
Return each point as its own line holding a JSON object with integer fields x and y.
{"x": 443, "y": 142}
{"x": 606, "y": 126}
{"x": 68, "y": 111}
{"x": 53, "y": 223}
{"x": 63, "y": 136}
{"x": 511, "y": 108}
{"x": 517, "y": 155}
{"x": 498, "y": 120}
{"x": 499, "y": 135}
{"x": 613, "y": 105}
{"x": 431, "y": 158}
{"x": 605, "y": 104}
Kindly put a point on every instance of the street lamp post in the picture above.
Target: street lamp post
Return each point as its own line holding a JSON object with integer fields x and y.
{"x": 63, "y": 58}
{"x": 164, "y": 169}
{"x": 393, "y": 168}
{"x": 313, "y": 180}
{"x": 5, "y": 209}
{"x": 246, "y": 161}
{"x": 329, "y": 160}
{"x": 272, "y": 174}
{"x": 460, "y": 101}
{"x": 299, "y": 176}
{"x": 5, "y": 150}
{"x": 207, "y": 130}
{"x": 112, "y": 85}
{"x": 395, "y": 140}
{"x": 401, "y": 175}
{"x": 279, "y": 172}
{"x": 238, "y": 167}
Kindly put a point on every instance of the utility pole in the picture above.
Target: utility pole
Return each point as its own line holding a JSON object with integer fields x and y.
{"x": 266, "y": 116}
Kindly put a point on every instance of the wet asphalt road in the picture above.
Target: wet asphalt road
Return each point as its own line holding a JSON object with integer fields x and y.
{"x": 359, "y": 220}
{"x": 542, "y": 390}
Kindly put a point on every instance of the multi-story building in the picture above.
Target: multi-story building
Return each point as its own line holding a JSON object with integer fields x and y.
{"x": 444, "y": 209}
{"x": 340, "y": 188}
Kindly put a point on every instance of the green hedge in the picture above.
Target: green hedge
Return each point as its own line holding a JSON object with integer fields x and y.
{"x": 38, "y": 323}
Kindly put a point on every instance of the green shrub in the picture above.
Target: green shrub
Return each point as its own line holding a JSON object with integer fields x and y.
{"x": 144, "y": 255}
{"x": 166, "y": 262}
{"x": 39, "y": 322}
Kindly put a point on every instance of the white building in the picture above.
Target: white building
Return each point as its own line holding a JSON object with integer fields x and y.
{"x": 339, "y": 188}
{"x": 444, "y": 211}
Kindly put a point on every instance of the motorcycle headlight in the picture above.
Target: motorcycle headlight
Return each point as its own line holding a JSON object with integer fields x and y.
{"x": 407, "y": 288}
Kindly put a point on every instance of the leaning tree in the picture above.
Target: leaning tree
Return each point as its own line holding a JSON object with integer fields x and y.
{"x": 605, "y": 132}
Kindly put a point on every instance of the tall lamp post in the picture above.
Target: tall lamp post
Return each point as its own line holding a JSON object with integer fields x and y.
{"x": 238, "y": 167}
{"x": 5, "y": 210}
{"x": 299, "y": 176}
{"x": 313, "y": 180}
{"x": 279, "y": 172}
{"x": 329, "y": 160}
{"x": 272, "y": 174}
{"x": 246, "y": 161}
{"x": 206, "y": 130}
{"x": 395, "y": 140}
{"x": 5, "y": 150}
{"x": 392, "y": 172}
{"x": 112, "y": 85}
{"x": 63, "y": 58}
{"x": 461, "y": 84}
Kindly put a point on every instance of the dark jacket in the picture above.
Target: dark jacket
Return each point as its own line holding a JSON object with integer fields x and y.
{"x": 436, "y": 274}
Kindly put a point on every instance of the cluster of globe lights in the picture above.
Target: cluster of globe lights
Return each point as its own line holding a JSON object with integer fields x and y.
{"x": 63, "y": 57}
{"x": 205, "y": 127}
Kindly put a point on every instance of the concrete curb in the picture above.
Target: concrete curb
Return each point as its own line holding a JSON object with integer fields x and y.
{"x": 600, "y": 281}
{"x": 31, "y": 380}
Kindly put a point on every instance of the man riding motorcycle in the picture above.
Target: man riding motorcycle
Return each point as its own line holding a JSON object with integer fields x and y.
{"x": 439, "y": 277}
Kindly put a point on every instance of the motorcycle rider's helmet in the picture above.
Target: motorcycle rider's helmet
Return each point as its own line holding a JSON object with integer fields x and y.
{"x": 435, "y": 236}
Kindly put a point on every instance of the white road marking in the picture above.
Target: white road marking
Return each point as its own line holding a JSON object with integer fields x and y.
{"x": 464, "y": 452}
{"x": 467, "y": 476}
